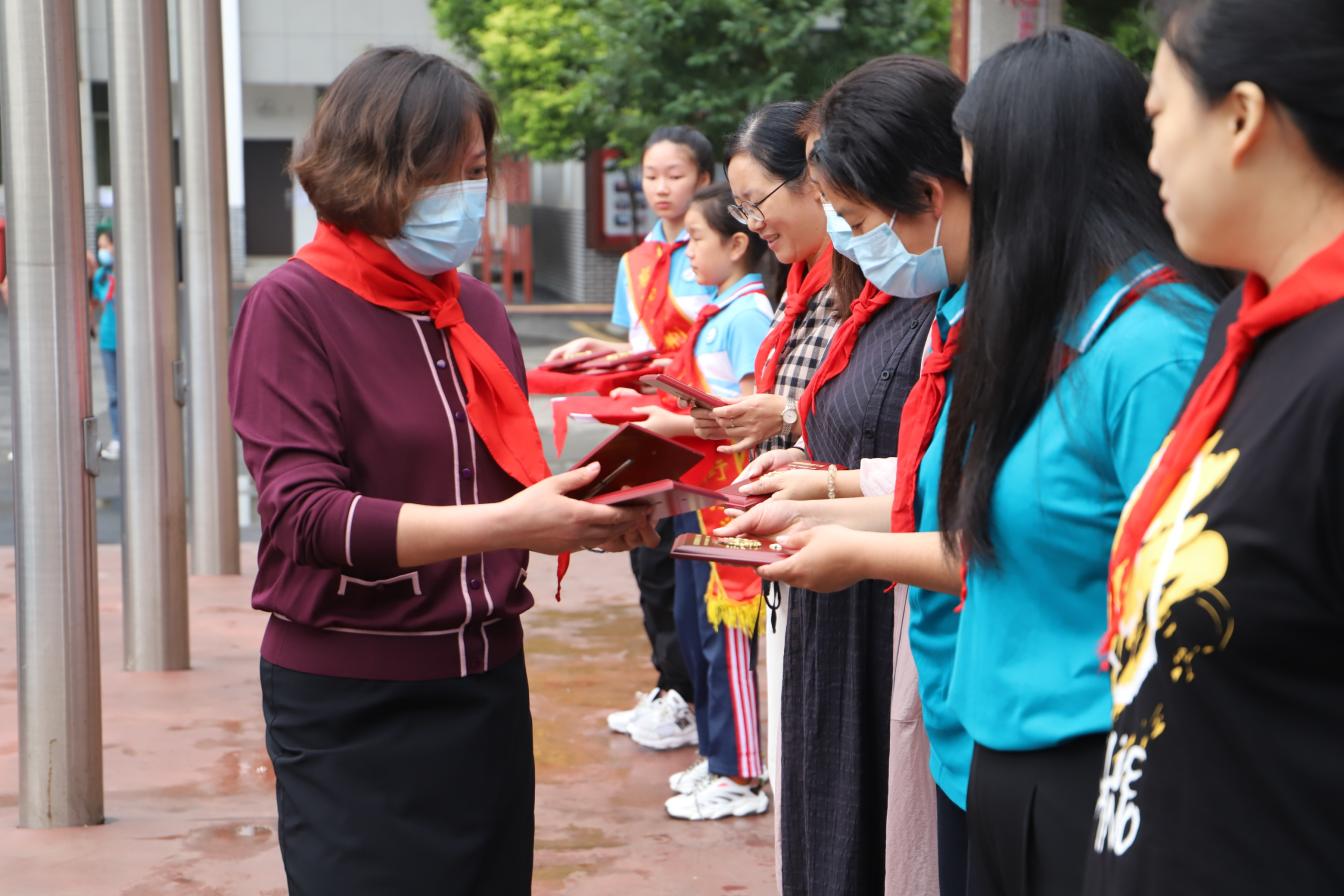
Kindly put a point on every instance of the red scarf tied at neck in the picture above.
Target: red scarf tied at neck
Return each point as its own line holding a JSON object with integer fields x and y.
{"x": 870, "y": 301}
{"x": 803, "y": 284}
{"x": 919, "y": 420}
{"x": 1319, "y": 282}
{"x": 496, "y": 406}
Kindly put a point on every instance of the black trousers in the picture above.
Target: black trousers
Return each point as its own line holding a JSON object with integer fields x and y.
{"x": 1029, "y": 817}
{"x": 956, "y": 877}
{"x": 655, "y": 574}
{"x": 420, "y": 788}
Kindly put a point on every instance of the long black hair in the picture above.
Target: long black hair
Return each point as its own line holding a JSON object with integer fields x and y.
{"x": 1061, "y": 196}
{"x": 883, "y": 129}
{"x": 773, "y": 136}
{"x": 1293, "y": 51}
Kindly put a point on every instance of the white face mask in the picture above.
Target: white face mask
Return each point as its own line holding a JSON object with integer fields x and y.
{"x": 442, "y": 227}
{"x": 892, "y": 268}
{"x": 839, "y": 230}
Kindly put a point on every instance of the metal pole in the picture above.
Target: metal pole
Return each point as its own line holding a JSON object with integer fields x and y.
{"x": 55, "y": 436}
{"x": 205, "y": 236}
{"x": 154, "y": 550}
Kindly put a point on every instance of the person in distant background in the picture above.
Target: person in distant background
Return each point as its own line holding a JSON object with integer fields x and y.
{"x": 104, "y": 295}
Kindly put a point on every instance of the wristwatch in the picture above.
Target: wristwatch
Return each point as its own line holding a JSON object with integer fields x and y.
{"x": 788, "y": 417}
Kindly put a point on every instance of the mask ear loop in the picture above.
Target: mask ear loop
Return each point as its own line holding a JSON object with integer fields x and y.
{"x": 937, "y": 232}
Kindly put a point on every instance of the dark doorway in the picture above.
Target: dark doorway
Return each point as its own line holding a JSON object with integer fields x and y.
{"x": 268, "y": 196}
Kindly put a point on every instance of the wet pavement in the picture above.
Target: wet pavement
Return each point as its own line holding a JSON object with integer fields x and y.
{"x": 189, "y": 788}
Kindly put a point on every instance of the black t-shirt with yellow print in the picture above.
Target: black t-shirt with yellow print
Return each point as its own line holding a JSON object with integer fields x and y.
{"x": 1225, "y": 770}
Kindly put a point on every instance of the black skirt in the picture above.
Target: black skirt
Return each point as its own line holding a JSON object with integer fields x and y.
{"x": 405, "y": 787}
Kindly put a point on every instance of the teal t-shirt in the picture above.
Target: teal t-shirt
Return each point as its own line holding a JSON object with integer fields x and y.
{"x": 933, "y": 616}
{"x": 104, "y": 292}
{"x": 1026, "y": 673}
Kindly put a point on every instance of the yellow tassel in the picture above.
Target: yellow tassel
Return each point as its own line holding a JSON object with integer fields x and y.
{"x": 720, "y": 609}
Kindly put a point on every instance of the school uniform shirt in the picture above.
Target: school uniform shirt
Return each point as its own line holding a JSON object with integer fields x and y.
{"x": 1026, "y": 674}
{"x": 688, "y": 296}
{"x": 1223, "y": 772}
{"x": 726, "y": 349}
{"x": 933, "y": 616}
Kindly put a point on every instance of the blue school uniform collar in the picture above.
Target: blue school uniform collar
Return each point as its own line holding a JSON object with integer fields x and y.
{"x": 1092, "y": 319}
{"x": 951, "y": 306}
{"x": 727, "y": 293}
{"x": 656, "y": 234}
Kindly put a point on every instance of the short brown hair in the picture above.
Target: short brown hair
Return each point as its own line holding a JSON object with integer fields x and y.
{"x": 393, "y": 123}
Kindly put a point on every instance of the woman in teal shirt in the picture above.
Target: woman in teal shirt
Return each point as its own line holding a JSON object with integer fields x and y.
{"x": 1076, "y": 352}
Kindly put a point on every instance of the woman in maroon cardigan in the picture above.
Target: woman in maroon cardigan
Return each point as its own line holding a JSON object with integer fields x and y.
{"x": 401, "y": 485}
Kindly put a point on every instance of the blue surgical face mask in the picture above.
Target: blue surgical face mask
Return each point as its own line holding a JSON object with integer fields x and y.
{"x": 105, "y": 258}
{"x": 442, "y": 227}
{"x": 841, "y": 234}
{"x": 892, "y": 268}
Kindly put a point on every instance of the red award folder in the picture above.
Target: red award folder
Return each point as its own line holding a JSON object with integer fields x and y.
{"x": 733, "y": 497}
{"x": 734, "y": 551}
{"x": 573, "y": 361}
{"x": 666, "y": 497}
{"x": 686, "y": 392}
{"x": 633, "y": 456}
{"x": 616, "y": 360}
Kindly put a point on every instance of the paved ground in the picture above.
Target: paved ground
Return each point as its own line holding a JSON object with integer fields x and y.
{"x": 189, "y": 788}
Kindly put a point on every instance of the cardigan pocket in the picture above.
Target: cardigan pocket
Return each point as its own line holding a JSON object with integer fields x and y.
{"x": 404, "y": 585}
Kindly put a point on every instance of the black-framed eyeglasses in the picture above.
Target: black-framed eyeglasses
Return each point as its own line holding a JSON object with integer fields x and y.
{"x": 749, "y": 213}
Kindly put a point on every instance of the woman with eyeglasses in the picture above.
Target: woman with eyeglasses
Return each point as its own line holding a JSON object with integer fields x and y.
{"x": 766, "y": 162}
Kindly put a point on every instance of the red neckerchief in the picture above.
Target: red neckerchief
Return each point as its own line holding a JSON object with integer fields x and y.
{"x": 870, "y": 301}
{"x": 803, "y": 284}
{"x": 919, "y": 420}
{"x": 648, "y": 274}
{"x": 496, "y": 405}
{"x": 1317, "y": 283}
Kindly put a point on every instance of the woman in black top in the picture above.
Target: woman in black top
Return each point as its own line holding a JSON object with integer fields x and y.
{"x": 1227, "y": 579}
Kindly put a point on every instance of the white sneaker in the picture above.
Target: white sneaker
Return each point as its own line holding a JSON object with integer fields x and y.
{"x": 111, "y": 451}
{"x": 621, "y": 720}
{"x": 668, "y": 725}
{"x": 689, "y": 781}
{"x": 719, "y": 797}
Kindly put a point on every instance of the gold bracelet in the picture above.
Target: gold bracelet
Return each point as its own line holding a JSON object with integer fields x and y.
{"x": 830, "y": 481}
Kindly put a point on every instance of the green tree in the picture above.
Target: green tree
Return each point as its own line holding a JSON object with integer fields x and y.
{"x": 572, "y": 75}
{"x": 1126, "y": 24}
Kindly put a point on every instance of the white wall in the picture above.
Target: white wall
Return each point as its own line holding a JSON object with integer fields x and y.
{"x": 310, "y": 41}
{"x": 294, "y": 41}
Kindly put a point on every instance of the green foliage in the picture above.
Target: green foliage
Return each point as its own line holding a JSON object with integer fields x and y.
{"x": 1126, "y": 24}
{"x": 572, "y": 75}
{"x": 535, "y": 56}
